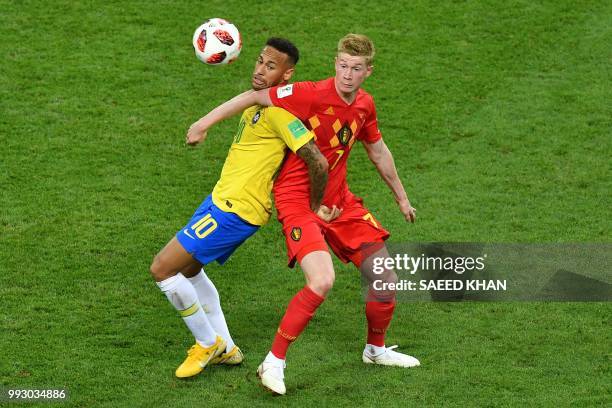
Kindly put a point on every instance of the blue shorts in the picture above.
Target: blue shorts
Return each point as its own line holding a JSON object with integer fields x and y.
{"x": 212, "y": 234}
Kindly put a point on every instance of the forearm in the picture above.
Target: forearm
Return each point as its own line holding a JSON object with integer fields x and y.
{"x": 318, "y": 181}
{"x": 317, "y": 172}
{"x": 382, "y": 158}
{"x": 388, "y": 172}
{"x": 227, "y": 110}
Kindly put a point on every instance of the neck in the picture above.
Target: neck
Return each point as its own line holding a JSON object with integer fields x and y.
{"x": 346, "y": 97}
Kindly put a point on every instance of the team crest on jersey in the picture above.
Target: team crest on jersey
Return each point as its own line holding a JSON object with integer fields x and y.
{"x": 344, "y": 134}
{"x": 256, "y": 117}
{"x": 296, "y": 233}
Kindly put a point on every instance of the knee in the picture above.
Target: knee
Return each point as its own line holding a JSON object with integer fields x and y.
{"x": 383, "y": 289}
{"x": 391, "y": 277}
{"x": 158, "y": 270}
{"x": 322, "y": 284}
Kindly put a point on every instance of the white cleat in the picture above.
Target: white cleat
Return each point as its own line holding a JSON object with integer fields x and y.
{"x": 389, "y": 358}
{"x": 272, "y": 376}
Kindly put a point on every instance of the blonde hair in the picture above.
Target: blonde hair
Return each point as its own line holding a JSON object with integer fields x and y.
{"x": 357, "y": 45}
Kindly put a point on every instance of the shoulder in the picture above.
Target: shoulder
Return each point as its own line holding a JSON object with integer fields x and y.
{"x": 302, "y": 86}
{"x": 315, "y": 86}
{"x": 365, "y": 101}
{"x": 252, "y": 111}
{"x": 327, "y": 83}
{"x": 299, "y": 89}
{"x": 278, "y": 115}
{"x": 365, "y": 96}
{"x": 275, "y": 111}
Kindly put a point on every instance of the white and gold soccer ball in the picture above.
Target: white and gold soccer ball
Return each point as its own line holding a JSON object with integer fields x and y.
{"x": 217, "y": 42}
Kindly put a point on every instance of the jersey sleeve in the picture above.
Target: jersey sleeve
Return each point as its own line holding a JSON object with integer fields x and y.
{"x": 370, "y": 132}
{"x": 297, "y": 98}
{"x": 289, "y": 128}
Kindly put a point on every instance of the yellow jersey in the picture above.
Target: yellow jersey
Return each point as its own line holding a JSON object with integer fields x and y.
{"x": 258, "y": 150}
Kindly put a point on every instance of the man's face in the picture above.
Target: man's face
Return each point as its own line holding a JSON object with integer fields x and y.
{"x": 351, "y": 71}
{"x": 272, "y": 68}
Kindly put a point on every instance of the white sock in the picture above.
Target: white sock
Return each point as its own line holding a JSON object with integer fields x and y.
{"x": 271, "y": 358}
{"x": 211, "y": 303}
{"x": 181, "y": 293}
{"x": 375, "y": 350}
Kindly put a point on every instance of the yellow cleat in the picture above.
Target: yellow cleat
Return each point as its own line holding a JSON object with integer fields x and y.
{"x": 232, "y": 357}
{"x": 198, "y": 357}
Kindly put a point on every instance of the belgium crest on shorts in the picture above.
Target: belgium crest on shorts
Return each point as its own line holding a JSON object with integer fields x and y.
{"x": 296, "y": 233}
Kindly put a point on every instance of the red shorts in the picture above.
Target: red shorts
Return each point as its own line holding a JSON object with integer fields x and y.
{"x": 305, "y": 232}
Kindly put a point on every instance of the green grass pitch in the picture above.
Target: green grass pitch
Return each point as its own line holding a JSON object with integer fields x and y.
{"x": 499, "y": 117}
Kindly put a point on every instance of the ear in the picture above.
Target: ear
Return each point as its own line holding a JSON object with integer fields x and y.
{"x": 369, "y": 70}
{"x": 287, "y": 74}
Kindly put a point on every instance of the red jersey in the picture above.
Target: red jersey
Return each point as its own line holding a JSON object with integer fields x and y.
{"x": 336, "y": 126}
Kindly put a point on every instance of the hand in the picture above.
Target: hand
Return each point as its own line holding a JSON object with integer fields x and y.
{"x": 195, "y": 135}
{"x": 327, "y": 214}
{"x": 408, "y": 210}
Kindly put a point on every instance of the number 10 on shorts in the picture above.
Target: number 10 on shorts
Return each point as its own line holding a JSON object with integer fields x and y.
{"x": 204, "y": 226}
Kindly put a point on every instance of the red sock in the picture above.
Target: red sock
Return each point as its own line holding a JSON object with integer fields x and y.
{"x": 299, "y": 312}
{"x": 379, "y": 315}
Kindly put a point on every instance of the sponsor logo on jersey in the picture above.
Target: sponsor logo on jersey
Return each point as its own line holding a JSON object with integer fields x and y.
{"x": 344, "y": 134}
{"x": 296, "y": 233}
{"x": 228, "y": 203}
{"x": 256, "y": 117}
{"x": 297, "y": 129}
{"x": 284, "y": 91}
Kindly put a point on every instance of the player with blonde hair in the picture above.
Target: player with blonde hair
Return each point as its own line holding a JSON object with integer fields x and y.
{"x": 339, "y": 113}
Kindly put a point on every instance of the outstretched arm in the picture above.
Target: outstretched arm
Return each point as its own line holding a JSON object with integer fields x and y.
{"x": 197, "y": 131}
{"x": 317, "y": 172}
{"x": 382, "y": 158}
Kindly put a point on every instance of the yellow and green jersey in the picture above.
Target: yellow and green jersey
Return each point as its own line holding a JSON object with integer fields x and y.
{"x": 256, "y": 154}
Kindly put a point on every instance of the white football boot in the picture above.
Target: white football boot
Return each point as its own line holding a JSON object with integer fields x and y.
{"x": 271, "y": 373}
{"x": 388, "y": 357}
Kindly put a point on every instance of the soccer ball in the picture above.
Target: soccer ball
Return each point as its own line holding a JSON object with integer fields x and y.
{"x": 217, "y": 42}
